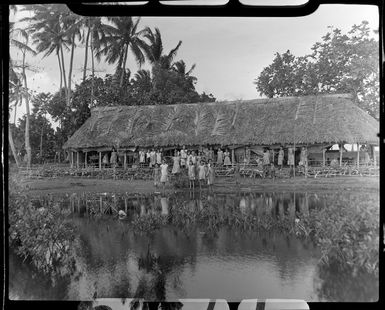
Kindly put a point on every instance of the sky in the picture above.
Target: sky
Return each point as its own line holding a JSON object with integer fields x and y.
{"x": 229, "y": 52}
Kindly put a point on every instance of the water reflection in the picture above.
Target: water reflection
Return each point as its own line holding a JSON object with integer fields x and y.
{"x": 208, "y": 257}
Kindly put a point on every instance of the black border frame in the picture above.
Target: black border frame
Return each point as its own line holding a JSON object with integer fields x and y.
{"x": 155, "y": 8}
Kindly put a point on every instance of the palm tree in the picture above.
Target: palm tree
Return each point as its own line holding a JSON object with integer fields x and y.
{"x": 180, "y": 68}
{"x": 47, "y": 28}
{"x": 16, "y": 94}
{"x": 72, "y": 24}
{"x": 51, "y": 38}
{"x": 55, "y": 27}
{"x": 23, "y": 46}
{"x": 154, "y": 50}
{"x": 124, "y": 36}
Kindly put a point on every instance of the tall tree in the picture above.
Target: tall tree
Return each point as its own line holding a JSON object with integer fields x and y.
{"x": 339, "y": 63}
{"x": 23, "y": 45}
{"x": 121, "y": 39}
{"x": 39, "y": 110}
{"x": 154, "y": 50}
{"x": 49, "y": 33}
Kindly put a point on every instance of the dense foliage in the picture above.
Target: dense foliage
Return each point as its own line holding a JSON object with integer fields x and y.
{"x": 41, "y": 235}
{"x": 340, "y": 63}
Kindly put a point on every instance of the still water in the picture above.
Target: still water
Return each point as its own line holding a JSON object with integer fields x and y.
{"x": 112, "y": 257}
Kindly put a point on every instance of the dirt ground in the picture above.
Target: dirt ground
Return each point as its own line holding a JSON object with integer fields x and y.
{"x": 70, "y": 185}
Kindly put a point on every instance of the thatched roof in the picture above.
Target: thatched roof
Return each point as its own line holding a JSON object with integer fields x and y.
{"x": 307, "y": 120}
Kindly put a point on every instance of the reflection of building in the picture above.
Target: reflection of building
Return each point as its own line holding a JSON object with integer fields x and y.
{"x": 242, "y": 127}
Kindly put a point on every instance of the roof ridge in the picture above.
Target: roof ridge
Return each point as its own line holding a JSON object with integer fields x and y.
{"x": 226, "y": 102}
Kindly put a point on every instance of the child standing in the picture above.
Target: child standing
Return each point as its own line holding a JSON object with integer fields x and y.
{"x": 163, "y": 173}
{"x": 156, "y": 175}
{"x": 280, "y": 158}
{"x": 105, "y": 160}
{"x": 159, "y": 157}
{"x": 191, "y": 174}
{"x": 202, "y": 174}
{"x": 210, "y": 175}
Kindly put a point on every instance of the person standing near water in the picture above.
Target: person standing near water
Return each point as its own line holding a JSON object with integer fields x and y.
{"x": 210, "y": 175}
{"x": 176, "y": 166}
{"x": 202, "y": 174}
{"x": 105, "y": 160}
{"x": 159, "y": 157}
{"x": 290, "y": 159}
{"x": 191, "y": 174}
{"x": 220, "y": 157}
{"x": 280, "y": 157}
{"x": 227, "y": 161}
{"x": 148, "y": 157}
{"x": 114, "y": 160}
{"x": 183, "y": 157}
{"x": 163, "y": 173}
{"x": 142, "y": 156}
{"x": 266, "y": 162}
{"x": 152, "y": 158}
{"x": 156, "y": 175}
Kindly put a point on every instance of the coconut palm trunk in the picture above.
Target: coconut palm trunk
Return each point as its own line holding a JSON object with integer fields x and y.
{"x": 61, "y": 71}
{"x": 93, "y": 71}
{"x": 123, "y": 69}
{"x": 26, "y": 98}
{"x": 86, "y": 55}
{"x": 14, "y": 153}
{"x": 70, "y": 71}
{"x": 64, "y": 71}
{"x": 41, "y": 142}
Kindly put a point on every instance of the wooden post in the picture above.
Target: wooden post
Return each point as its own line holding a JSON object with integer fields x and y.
{"x": 77, "y": 159}
{"x": 358, "y": 155}
{"x": 273, "y": 156}
{"x": 232, "y": 157}
{"x": 100, "y": 160}
{"x": 125, "y": 160}
{"x": 294, "y": 161}
{"x": 85, "y": 159}
{"x": 340, "y": 146}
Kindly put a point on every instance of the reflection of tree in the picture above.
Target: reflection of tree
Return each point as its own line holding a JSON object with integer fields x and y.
{"x": 160, "y": 267}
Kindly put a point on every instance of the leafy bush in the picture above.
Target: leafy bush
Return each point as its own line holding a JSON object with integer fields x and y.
{"x": 40, "y": 234}
{"x": 347, "y": 231}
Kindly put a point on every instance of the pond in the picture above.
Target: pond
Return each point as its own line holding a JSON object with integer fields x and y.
{"x": 187, "y": 245}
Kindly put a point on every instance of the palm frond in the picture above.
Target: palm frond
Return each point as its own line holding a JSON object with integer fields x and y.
{"x": 200, "y": 120}
{"x": 172, "y": 115}
{"x": 173, "y": 52}
{"x": 23, "y": 47}
{"x": 220, "y": 124}
{"x": 191, "y": 69}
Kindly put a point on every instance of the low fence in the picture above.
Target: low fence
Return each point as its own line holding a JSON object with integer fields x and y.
{"x": 146, "y": 173}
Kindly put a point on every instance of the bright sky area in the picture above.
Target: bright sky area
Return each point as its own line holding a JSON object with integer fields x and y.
{"x": 229, "y": 53}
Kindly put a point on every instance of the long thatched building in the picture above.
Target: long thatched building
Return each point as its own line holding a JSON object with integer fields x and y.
{"x": 313, "y": 121}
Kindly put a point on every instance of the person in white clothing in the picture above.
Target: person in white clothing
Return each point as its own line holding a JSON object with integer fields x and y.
{"x": 183, "y": 157}
{"x": 163, "y": 173}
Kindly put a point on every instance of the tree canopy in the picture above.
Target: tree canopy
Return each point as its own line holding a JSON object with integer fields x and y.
{"x": 339, "y": 63}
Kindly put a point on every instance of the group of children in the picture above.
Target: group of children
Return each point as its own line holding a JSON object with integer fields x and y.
{"x": 203, "y": 172}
